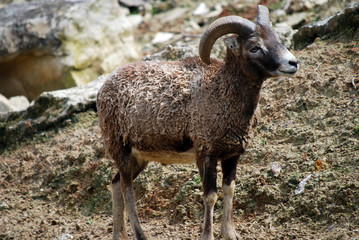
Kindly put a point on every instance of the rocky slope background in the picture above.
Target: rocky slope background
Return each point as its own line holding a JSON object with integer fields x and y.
{"x": 298, "y": 180}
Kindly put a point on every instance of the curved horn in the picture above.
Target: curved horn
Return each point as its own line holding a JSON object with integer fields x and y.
{"x": 219, "y": 28}
{"x": 263, "y": 16}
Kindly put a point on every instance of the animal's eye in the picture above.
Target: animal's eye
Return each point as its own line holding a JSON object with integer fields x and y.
{"x": 254, "y": 49}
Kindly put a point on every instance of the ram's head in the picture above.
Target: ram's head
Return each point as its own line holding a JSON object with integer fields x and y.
{"x": 255, "y": 45}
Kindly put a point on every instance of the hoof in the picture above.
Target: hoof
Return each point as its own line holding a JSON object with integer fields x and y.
{"x": 229, "y": 233}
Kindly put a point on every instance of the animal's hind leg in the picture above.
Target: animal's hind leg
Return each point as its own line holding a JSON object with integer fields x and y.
{"x": 229, "y": 167}
{"x": 118, "y": 209}
{"x": 129, "y": 168}
{"x": 118, "y": 202}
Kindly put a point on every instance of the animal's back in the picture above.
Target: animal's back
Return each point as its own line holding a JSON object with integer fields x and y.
{"x": 144, "y": 103}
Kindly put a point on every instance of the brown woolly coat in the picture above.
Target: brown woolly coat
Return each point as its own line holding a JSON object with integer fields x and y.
{"x": 174, "y": 105}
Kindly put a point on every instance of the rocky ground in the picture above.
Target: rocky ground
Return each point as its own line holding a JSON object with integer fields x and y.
{"x": 298, "y": 180}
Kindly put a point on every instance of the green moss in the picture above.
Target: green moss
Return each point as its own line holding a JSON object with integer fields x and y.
{"x": 76, "y": 50}
{"x": 83, "y": 76}
{"x": 67, "y": 80}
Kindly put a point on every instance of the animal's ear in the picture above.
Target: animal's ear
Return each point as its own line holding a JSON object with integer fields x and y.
{"x": 233, "y": 44}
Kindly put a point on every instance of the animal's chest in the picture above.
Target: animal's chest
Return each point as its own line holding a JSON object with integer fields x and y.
{"x": 226, "y": 129}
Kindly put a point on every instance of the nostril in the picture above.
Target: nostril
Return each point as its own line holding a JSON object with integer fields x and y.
{"x": 293, "y": 63}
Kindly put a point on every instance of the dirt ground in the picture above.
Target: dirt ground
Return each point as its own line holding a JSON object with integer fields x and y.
{"x": 57, "y": 185}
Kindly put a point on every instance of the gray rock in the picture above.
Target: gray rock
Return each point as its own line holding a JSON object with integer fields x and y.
{"x": 47, "y": 111}
{"x": 201, "y": 9}
{"x": 5, "y": 105}
{"x": 48, "y": 45}
{"x": 66, "y": 237}
{"x": 19, "y": 103}
{"x": 76, "y": 97}
{"x": 4, "y": 205}
{"x": 172, "y": 14}
{"x": 216, "y": 11}
{"x": 162, "y": 37}
{"x": 132, "y": 3}
{"x": 343, "y": 24}
{"x": 171, "y": 53}
{"x": 285, "y": 34}
{"x": 320, "y": 2}
{"x": 296, "y": 20}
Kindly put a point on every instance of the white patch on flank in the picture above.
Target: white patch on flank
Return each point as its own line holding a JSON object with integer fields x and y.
{"x": 165, "y": 157}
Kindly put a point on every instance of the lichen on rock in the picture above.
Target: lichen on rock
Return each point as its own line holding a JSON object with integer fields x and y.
{"x": 343, "y": 24}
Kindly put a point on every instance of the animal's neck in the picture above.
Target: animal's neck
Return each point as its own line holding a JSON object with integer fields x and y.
{"x": 243, "y": 90}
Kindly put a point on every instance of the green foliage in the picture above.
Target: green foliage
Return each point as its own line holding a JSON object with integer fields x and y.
{"x": 196, "y": 179}
{"x": 356, "y": 130}
{"x": 264, "y": 141}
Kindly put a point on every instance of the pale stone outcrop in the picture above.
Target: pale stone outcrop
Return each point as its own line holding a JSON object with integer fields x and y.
{"x": 344, "y": 24}
{"x": 48, "y": 45}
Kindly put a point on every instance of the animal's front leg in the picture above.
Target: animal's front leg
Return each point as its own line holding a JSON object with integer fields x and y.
{"x": 207, "y": 167}
{"x": 229, "y": 167}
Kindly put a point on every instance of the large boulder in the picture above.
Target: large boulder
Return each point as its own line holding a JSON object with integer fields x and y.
{"x": 47, "y": 111}
{"x": 48, "y": 45}
{"x": 344, "y": 24}
{"x": 17, "y": 103}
